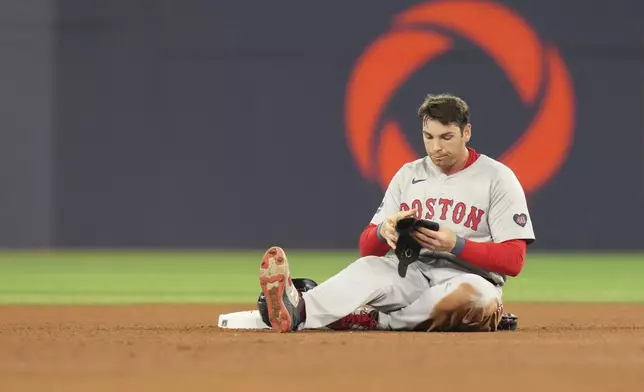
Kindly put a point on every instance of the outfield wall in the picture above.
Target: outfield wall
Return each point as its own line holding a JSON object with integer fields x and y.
{"x": 235, "y": 124}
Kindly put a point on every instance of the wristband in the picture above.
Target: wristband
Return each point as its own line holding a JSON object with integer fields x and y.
{"x": 378, "y": 234}
{"x": 460, "y": 245}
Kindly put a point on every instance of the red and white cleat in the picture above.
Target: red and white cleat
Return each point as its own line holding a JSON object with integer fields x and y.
{"x": 285, "y": 304}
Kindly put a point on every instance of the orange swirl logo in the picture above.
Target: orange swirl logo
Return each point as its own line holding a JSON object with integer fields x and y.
{"x": 501, "y": 33}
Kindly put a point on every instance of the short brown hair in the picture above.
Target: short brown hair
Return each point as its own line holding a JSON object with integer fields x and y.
{"x": 445, "y": 108}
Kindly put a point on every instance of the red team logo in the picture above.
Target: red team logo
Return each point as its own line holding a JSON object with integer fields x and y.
{"x": 532, "y": 67}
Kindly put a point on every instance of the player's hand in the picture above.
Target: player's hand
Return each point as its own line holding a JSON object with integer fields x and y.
{"x": 443, "y": 240}
{"x": 388, "y": 229}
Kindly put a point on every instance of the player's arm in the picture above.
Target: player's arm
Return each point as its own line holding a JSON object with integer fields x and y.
{"x": 511, "y": 232}
{"x": 379, "y": 236}
{"x": 506, "y": 257}
{"x": 370, "y": 243}
{"x": 376, "y": 240}
{"x": 510, "y": 226}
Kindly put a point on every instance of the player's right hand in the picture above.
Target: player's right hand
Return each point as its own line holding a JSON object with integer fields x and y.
{"x": 388, "y": 228}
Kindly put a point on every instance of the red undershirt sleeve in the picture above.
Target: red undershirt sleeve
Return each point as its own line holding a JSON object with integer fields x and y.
{"x": 505, "y": 258}
{"x": 370, "y": 244}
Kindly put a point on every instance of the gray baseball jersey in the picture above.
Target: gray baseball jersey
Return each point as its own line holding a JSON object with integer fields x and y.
{"x": 484, "y": 202}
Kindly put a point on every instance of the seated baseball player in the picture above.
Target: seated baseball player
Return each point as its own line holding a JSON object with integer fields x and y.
{"x": 481, "y": 230}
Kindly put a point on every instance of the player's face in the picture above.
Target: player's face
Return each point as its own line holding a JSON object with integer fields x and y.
{"x": 445, "y": 144}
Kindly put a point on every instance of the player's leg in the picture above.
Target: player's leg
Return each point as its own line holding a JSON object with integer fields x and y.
{"x": 465, "y": 303}
{"x": 284, "y": 303}
{"x": 369, "y": 280}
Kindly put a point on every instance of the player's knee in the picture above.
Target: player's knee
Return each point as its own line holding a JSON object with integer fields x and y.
{"x": 369, "y": 265}
{"x": 468, "y": 307}
{"x": 377, "y": 273}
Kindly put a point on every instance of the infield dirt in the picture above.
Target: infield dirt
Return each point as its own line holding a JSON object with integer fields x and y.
{"x": 180, "y": 348}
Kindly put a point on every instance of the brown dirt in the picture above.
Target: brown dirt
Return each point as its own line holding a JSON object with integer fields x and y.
{"x": 180, "y": 348}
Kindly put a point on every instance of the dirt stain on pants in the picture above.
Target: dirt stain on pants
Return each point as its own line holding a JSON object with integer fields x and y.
{"x": 463, "y": 311}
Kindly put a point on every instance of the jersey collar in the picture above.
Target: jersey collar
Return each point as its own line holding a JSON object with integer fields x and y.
{"x": 473, "y": 157}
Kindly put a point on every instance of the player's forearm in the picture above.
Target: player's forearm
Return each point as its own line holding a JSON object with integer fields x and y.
{"x": 505, "y": 258}
{"x": 371, "y": 244}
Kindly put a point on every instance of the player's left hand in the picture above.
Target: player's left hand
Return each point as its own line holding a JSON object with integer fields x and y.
{"x": 443, "y": 240}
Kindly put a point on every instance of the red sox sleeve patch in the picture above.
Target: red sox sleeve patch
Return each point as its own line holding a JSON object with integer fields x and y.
{"x": 520, "y": 219}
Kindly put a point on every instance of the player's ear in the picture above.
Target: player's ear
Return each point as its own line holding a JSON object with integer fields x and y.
{"x": 467, "y": 133}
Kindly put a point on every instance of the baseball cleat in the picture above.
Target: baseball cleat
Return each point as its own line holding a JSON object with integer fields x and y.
{"x": 364, "y": 318}
{"x": 284, "y": 303}
{"x": 508, "y": 322}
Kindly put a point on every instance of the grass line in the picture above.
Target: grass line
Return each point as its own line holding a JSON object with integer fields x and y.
{"x": 217, "y": 277}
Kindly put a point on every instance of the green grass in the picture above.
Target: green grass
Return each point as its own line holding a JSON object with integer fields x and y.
{"x": 216, "y": 277}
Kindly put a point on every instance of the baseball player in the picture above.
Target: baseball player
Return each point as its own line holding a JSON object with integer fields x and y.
{"x": 456, "y": 284}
